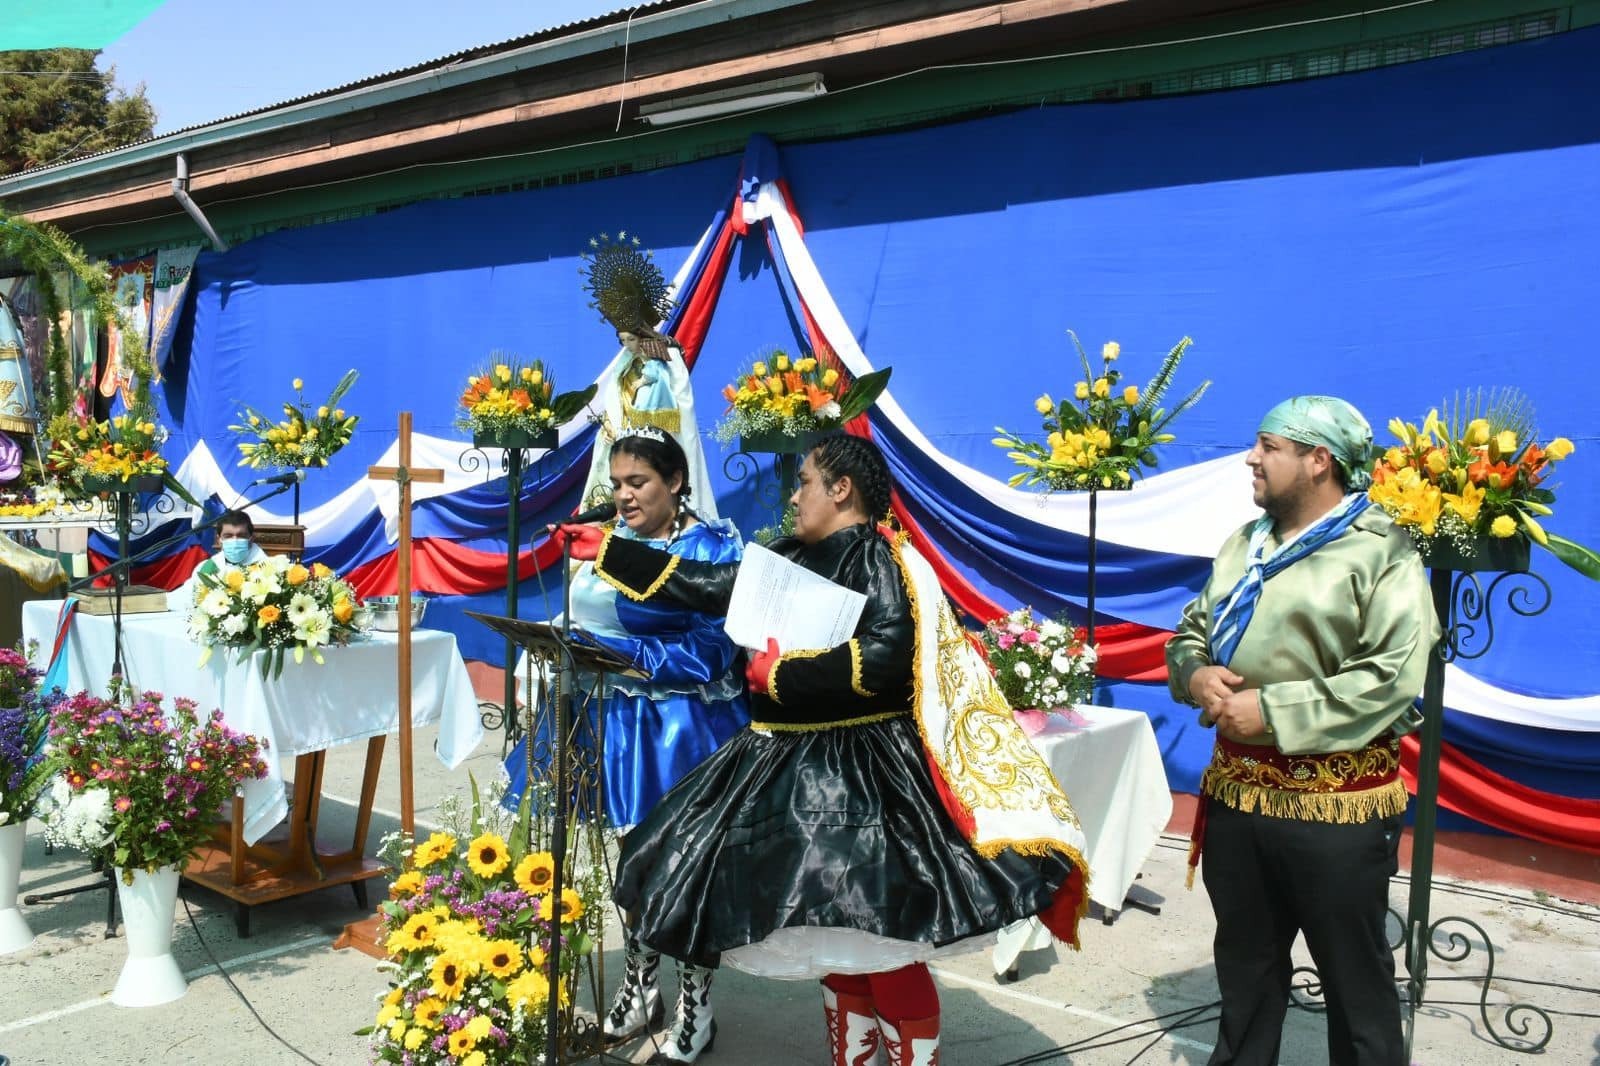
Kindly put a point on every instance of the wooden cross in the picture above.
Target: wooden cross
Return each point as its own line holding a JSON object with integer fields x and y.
{"x": 404, "y": 475}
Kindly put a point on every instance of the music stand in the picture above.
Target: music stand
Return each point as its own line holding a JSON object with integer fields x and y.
{"x": 567, "y": 651}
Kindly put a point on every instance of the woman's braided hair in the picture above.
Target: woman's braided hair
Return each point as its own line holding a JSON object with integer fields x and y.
{"x": 841, "y": 455}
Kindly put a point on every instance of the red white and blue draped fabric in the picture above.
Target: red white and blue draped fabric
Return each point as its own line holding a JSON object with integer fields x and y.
{"x": 1418, "y": 237}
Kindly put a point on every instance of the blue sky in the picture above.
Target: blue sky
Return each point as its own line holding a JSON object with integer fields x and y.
{"x": 203, "y": 59}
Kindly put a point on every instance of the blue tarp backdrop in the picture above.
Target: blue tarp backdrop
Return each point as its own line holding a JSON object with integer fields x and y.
{"x": 1392, "y": 237}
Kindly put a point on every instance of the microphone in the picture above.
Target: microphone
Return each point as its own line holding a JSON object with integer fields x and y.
{"x": 288, "y": 478}
{"x": 604, "y": 512}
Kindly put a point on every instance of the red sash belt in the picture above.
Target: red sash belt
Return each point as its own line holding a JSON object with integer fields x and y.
{"x": 1341, "y": 786}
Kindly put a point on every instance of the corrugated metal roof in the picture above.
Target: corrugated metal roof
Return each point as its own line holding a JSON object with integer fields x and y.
{"x": 618, "y": 16}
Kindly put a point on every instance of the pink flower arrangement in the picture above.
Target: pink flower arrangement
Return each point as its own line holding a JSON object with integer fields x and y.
{"x": 1038, "y": 663}
{"x": 151, "y": 781}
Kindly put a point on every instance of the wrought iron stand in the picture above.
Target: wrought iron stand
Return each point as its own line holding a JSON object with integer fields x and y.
{"x": 1466, "y": 620}
{"x": 516, "y": 450}
{"x": 775, "y": 491}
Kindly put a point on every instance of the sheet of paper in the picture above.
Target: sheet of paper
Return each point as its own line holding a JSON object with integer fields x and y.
{"x": 773, "y": 597}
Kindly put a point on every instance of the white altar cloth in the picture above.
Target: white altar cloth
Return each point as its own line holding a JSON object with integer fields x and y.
{"x": 353, "y": 695}
{"x": 1111, "y": 770}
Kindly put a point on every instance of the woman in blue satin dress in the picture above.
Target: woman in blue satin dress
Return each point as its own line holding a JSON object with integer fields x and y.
{"x": 656, "y": 729}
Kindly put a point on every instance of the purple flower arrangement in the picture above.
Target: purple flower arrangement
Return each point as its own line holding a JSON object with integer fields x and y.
{"x": 157, "y": 779}
{"x": 25, "y": 766}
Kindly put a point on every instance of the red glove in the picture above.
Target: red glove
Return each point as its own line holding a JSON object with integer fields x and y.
{"x": 758, "y": 671}
{"x": 585, "y": 541}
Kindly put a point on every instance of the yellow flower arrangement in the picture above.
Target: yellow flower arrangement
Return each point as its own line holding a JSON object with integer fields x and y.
{"x": 1105, "y": 434}
{"x": 125, "y": 447}
{"x": 778, "y": 393}
{"x": 467, "y": 947}
{"x": 303, "y": 437}
{"x": 1478, "y": 473}
{"x": 510, "y": 397}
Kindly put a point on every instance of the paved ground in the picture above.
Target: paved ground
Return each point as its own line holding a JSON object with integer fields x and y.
{"x": 285, "y": 979}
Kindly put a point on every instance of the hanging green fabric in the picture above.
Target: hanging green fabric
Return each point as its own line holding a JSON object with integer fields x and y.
{"x": 33, "y": 24}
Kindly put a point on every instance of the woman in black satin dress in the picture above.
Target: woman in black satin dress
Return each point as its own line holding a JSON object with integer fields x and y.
{"x": 814, "y": 843}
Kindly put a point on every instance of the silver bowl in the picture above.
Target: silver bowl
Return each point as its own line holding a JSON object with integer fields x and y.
{"x": 384, "y": 612}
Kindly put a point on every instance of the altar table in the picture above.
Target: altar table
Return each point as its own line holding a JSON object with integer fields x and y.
{"x": 307, "y": 709}
{"x": 1110, "y": 768}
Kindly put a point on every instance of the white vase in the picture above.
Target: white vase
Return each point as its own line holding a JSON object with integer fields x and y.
{"x": 14, "y": 932}
{"x": 151, "y": 975}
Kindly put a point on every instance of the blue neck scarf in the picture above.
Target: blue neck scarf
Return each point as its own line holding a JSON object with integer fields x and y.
{"x": 1233, "y": 613}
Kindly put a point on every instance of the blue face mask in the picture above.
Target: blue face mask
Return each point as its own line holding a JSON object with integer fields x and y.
{"x": 236, "y": 550}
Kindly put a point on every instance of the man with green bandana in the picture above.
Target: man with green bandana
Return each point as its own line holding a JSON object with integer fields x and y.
{"x": 1306, "y": 650}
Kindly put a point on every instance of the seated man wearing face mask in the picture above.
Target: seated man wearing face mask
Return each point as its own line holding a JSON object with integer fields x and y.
{"x": 237, "y": 548}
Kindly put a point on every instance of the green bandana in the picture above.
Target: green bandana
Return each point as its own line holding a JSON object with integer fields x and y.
{"x": 1332, "y": 423}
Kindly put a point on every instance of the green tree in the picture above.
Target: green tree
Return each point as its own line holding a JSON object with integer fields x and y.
{"x": 54, "y": 106}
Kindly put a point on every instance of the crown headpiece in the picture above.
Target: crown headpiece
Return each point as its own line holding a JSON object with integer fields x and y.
{"x": 624, "y": 284}
{"x": 647, "y": 432}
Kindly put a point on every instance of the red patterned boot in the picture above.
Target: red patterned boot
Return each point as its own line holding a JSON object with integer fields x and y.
{"x": 852, "y": 1028}
{"x": 912, "y": 1042}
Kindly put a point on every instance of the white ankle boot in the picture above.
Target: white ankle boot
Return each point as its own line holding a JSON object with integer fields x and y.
{"x": 637, "y": 1007}
{"x": 913, "y": 1042}
{"x": 694, "y": 1030}
{"x": 852, "y": 1028}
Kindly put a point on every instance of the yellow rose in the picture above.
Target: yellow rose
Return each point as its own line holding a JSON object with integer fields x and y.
{"x": 319, "y": 571}
{"x": 298, "y": 384}
{"x": 759, "y": 370}
{"x": 1477, "y": 432}
{"x": 1506, "y": 442}
{"x": 781, "y": 361}
{"x": 1044, "y": 405}
{"x": 829, "y": 377}
{"x": 1082, "y": 390}
{"x": 296, "y": 575}
{"x": 1438, "y": 462}
{"x": 1503, "y": 526}
{"x": 1130, "y": 395}
{"x": 1558, "y": 449}
{"x": 1110, "y": 352}
{"x": 343, "y": 610}
{"x": 806, "y": 365}
{"x": 527, "y": 373}
{"x": 1102, "y": 387}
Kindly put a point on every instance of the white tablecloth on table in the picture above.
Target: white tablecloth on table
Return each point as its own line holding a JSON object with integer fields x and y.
{"x": 353, "y": 695}
{"x": 1111, "y": 769}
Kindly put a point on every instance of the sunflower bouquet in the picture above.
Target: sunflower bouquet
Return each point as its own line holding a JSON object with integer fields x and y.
{"x": 303, "y": 437}
{"x": 779, "y": 393}
{"x": 468, "y": 928}
{"x": 1477, "y": 474}
{"x": 277, "y": 606}
{"x": 515, "y": 398}
{"x": 1103, "y": 435}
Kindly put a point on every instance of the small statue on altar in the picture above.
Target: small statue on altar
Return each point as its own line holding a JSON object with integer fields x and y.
{"x": 647, "y": 384}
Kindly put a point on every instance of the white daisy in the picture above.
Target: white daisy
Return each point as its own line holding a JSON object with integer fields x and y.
{"x": 301, "y": 607}
{"x": 216, "y": 603}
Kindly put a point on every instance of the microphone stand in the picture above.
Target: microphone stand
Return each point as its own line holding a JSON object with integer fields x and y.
{"x": 119, "y": 571}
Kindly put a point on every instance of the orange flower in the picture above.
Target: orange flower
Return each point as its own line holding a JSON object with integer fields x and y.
{"x": 818, "y": 398}
{"x": 268, "y": 615}
{"x": 729, "y": 393}
{"x": 296, "y": 575}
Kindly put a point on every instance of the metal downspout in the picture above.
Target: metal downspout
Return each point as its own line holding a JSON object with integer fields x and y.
{"x": 180, "y": 192}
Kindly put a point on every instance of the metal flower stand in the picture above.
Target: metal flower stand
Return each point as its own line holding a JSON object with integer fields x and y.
{"x": 1465, "y": 608}
{"x": 1466, "y": 620}
{"x": 771, "y": 491}
{"x": 516, "y": 458}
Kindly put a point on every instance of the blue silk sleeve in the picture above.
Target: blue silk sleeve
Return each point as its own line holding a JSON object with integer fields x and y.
{"x": 674, "y": 645}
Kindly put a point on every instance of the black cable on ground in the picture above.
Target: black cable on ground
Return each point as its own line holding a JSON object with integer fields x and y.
{"x": 236, "y": 989}
{"x": 1187, "y": 1017}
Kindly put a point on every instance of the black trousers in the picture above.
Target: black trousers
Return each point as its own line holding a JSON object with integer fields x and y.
{"x": 1270, "y": 878}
